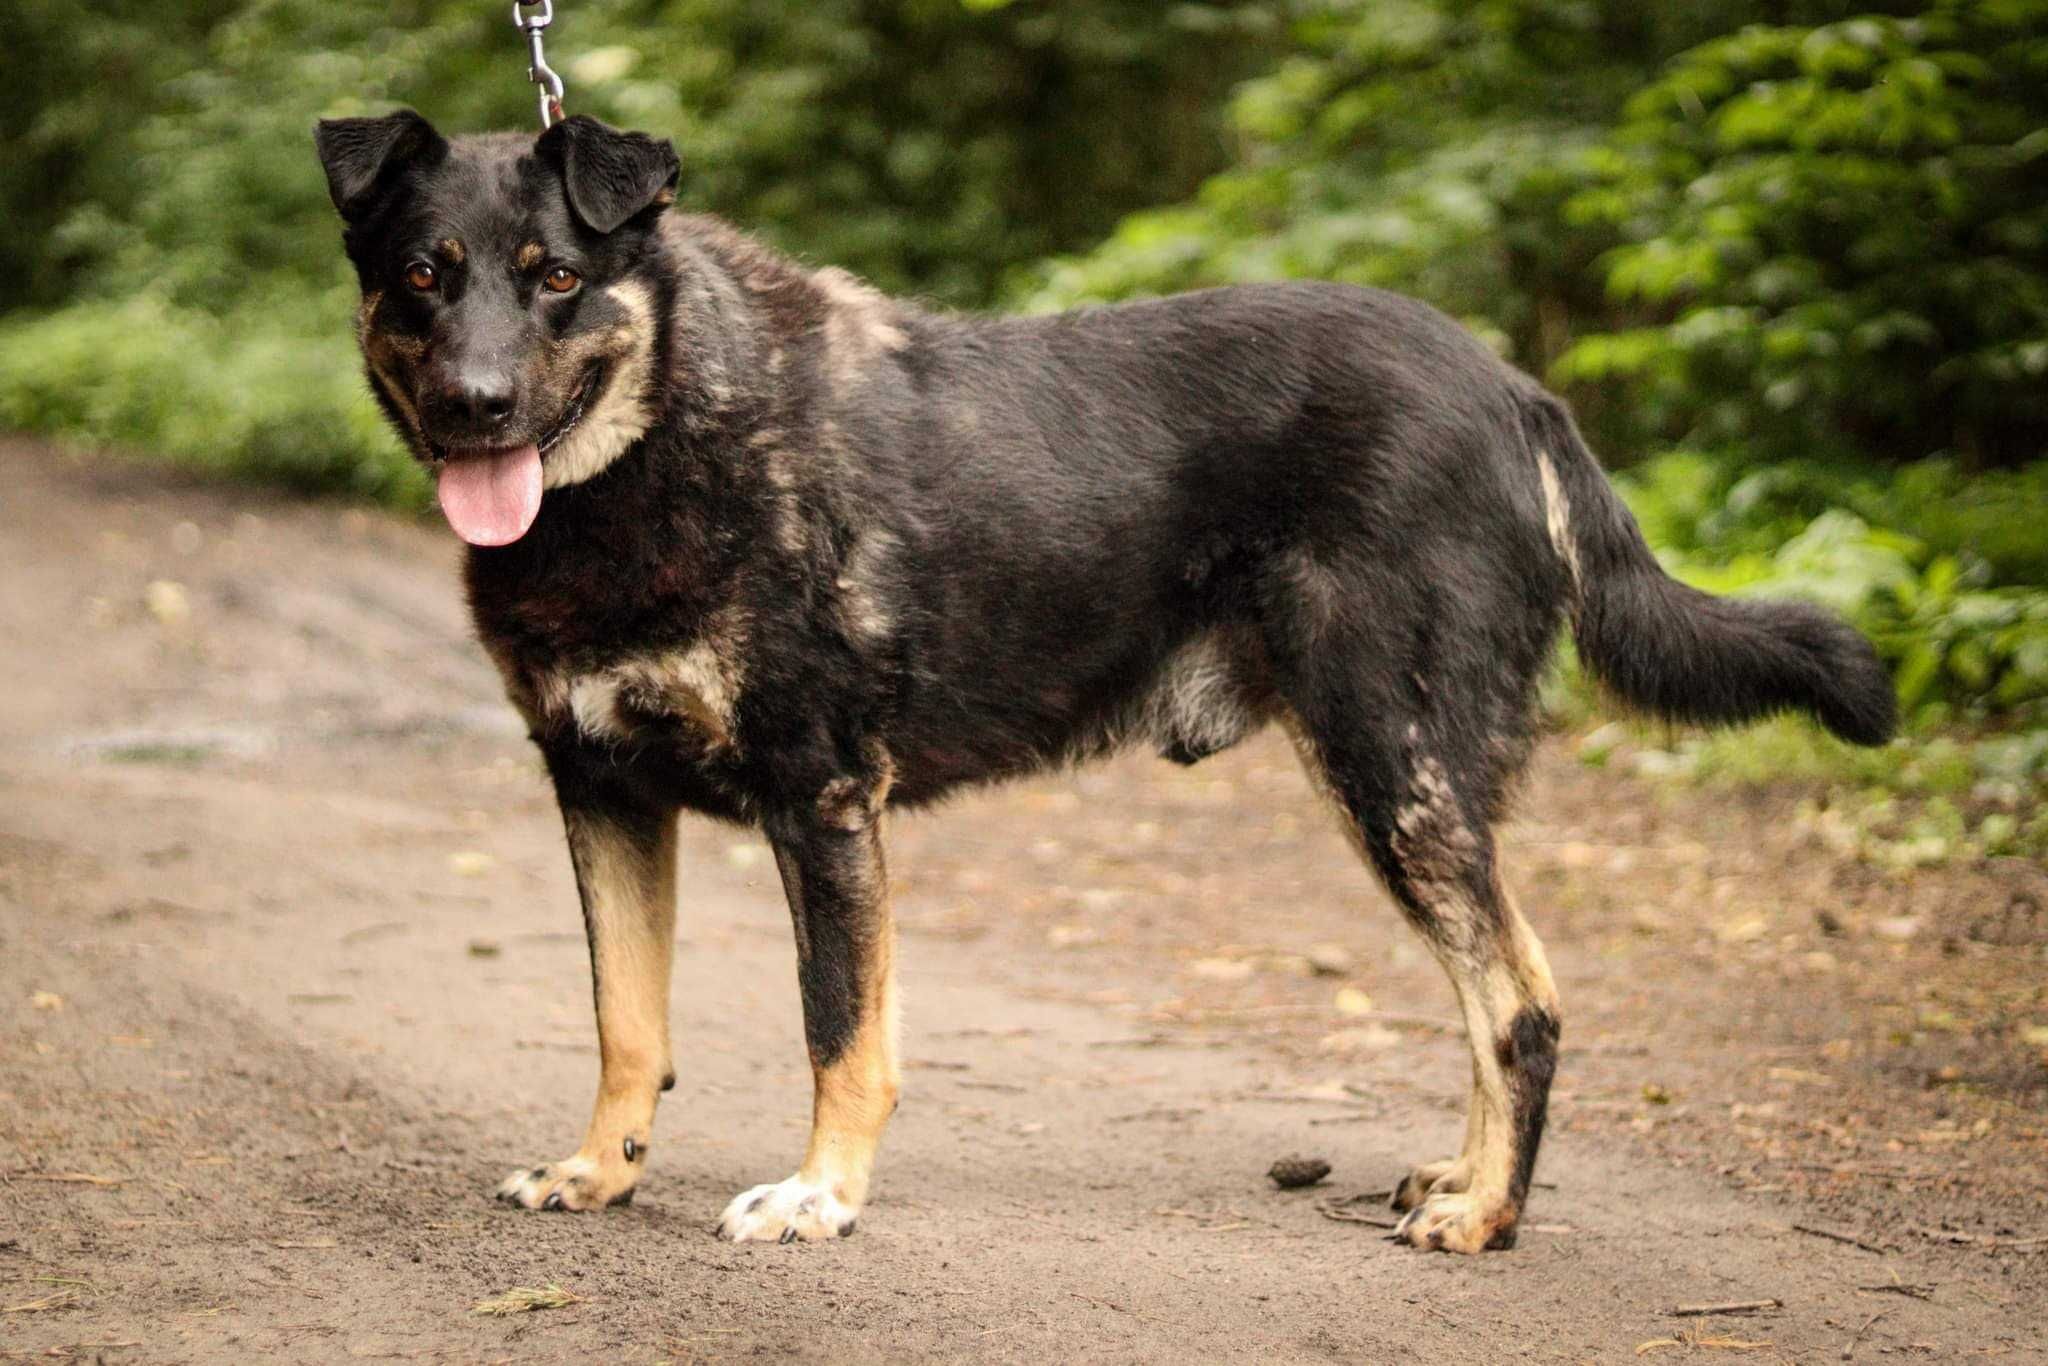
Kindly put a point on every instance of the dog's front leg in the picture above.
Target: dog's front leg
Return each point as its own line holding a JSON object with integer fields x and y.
{"x": 625, "y": 859}
{"x": 832, "y": 871}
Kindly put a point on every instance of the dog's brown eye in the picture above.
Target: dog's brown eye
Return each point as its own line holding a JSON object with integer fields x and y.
{"x": 562, "y": 279}
{"x": 420, "y": 276}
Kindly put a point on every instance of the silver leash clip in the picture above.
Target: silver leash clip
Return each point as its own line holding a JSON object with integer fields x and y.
{"x": 537, "y": 69}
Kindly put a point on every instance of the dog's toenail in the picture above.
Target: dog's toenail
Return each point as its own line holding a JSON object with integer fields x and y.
{"x": 632, "y": 1150}
{"x": 553, "y": 1201}
{"x": 788, "y": 1235}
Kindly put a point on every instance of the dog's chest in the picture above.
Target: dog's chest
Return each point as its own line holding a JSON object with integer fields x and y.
{"x": 691, "y": 690}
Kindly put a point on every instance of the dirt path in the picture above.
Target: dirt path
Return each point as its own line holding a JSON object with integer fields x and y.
{"x": 290, "y": 967}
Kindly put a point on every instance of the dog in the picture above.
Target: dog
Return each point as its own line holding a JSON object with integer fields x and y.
{"x": 757, "y": 542}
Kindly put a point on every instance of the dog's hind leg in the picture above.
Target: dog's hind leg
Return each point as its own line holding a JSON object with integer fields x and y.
{"x": 830, "y": 854}
{"x": 625, "y": 858}
{"x": 1434, "y": 848}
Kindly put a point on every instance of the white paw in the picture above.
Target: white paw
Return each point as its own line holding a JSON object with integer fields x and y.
{"x": 785, "y": 1212}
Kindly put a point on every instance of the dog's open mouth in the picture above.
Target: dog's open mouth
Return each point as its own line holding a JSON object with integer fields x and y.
{"x": 491, "y": 497}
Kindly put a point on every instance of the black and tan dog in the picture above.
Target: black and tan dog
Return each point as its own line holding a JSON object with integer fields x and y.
{"x": 757, "y": 542}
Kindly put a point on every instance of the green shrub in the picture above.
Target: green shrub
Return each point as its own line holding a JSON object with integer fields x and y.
{"x": 1834, "y": 239}
{"x": 236, "y": 397}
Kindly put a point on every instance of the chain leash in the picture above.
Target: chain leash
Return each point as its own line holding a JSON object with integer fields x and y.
{"x": 537, "y": 69}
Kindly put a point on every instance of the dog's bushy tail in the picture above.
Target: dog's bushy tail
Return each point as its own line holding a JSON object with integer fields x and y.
{"x": 1680, "y": 653}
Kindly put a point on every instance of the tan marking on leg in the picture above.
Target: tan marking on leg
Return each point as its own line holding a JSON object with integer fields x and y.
{"x": 1497, "y": 968}
{"x": 1474, "y": 1204}
{"x": 854, "y": 1097}
{"x": 1451, "y": 1174}
{"x": 855, "y": 1093}
{"x": 628, "y": 890}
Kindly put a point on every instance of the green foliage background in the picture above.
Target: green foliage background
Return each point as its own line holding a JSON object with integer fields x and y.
{"x": 1789, "y": 258}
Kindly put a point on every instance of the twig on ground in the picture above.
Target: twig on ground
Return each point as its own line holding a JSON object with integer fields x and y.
{"x": 1918, "y": 1292}
{"x": 1832, "y": 1236}
{"x": 1943, "y": 1235}
{"x": 1334, "y": 1209}
{"x": 1106, "y": 1304}
{"x": 1687, "y": 1311}
{"x": 1849, "y": 1352}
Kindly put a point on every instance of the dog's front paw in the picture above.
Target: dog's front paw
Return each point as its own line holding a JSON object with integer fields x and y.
{"x": 1459, "y": 1223}
{"x": 575, "y": 1183}
{"x": 786, "y": 1212}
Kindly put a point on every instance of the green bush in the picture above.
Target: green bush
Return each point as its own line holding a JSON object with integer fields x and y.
{"x": 234, "y": 397}
{"x": 1838, "y": 237}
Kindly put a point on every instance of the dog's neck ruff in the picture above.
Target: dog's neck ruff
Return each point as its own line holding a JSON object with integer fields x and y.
{"x": 620, "y": 415}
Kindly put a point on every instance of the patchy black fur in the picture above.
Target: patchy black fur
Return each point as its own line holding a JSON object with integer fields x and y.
{"x": 939, "y": 550}
{"x": 1528, "y": 1056}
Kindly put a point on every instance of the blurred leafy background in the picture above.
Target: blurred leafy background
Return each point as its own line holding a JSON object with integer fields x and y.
{"x": 1789, "y": 259}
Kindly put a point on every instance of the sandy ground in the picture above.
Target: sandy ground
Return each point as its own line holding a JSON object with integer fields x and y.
{"x": 291, "y": 974}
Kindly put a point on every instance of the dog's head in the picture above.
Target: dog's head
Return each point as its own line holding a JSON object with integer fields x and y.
{"x": 510, "y": 300}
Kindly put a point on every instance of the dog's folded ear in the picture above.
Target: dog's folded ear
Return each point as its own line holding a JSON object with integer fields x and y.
{"x": 361, "y": 156}
{"x": 610, "y": 176}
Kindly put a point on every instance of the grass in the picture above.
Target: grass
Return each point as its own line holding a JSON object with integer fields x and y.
{"x": 525, "y": 1299}
{"x": 274, "y": 395}
{"x": 157, "y": 754}
{"x": 1932, "y": 796}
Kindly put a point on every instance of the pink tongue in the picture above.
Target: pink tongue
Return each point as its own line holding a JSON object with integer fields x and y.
{"x": 492, "y": 499}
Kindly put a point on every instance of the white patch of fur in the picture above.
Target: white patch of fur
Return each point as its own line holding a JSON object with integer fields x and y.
{"x": 1199, "y": 700}
{"x": 594, "y": 706}
{"x": 1557, "y": 515}
{"x": 859, "y": 311}
{"x": 620, "y": 415}
{"x": 1430, "y": 827}
{"x": 700, "y": 686}
{"x": 862, "y": 603}
{"x": 792, "y": 532}
{"x": 860, "y": 325}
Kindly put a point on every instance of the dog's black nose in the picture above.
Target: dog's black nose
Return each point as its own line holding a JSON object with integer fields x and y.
{"x": 482, "y": 404}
